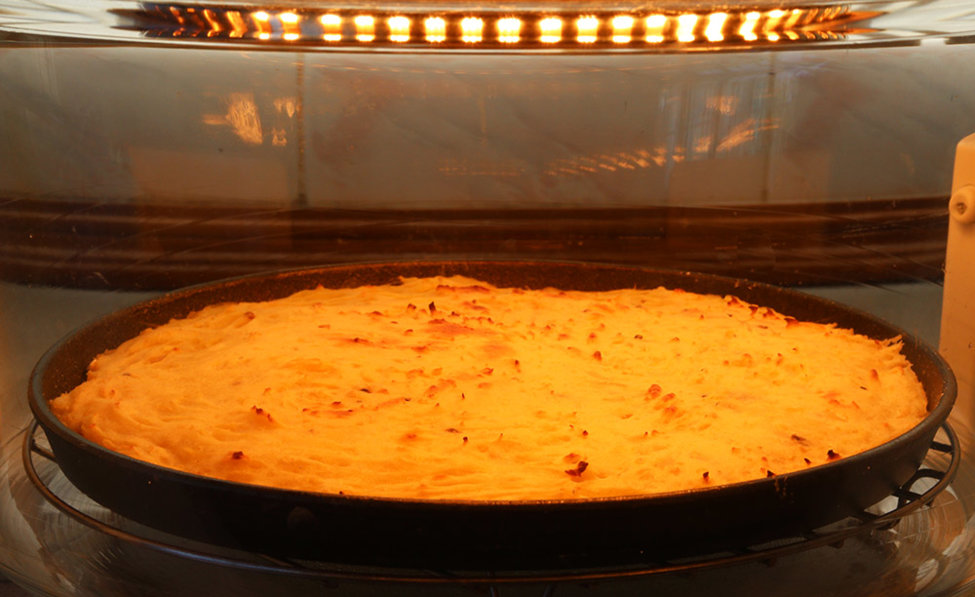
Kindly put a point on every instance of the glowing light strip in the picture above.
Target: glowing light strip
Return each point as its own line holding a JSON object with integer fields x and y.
{"x": 399, "y": 29}
{"x": 509, "y": 30}
{"x": 714, "y": 31}
{"x": 747, "y": 29}
{"x": 587, "y": 29}
{"x": 513, "y": 30}
{"x": 656, "y": 26}
{"x": 685, "y": 28}
{"x": 291, "y": 25}
{"x": 215, "y": 27}
{"x": 365, "y": 28}
{"x": 436, "y": 29}
{"x": 331, "y": 27}
{"x": 550, "y": 30}
{"x": 262, "y": 21}
{"x": 623, "y": 29}
{"x": 238, "y": 25}
{"x": 472, "y": 30}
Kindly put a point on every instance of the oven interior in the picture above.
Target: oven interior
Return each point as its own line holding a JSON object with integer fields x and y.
{"x": 148, "y": 147}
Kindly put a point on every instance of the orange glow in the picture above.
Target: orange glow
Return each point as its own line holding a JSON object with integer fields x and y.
{"x": 365, "y": 28}
{"x": 486, "y": 26}
{"x": 772, "y": 24}
{"x": 177, "y": 15}
{"x": 472, "y": 30}
{"x": 399, "y": 29}
{"x": 214, "y": 25}
{"x": 509, "y": 30}
{"x": 262, "y": 21}
{"x": 655, "y": 25}
{"x": 623, "y": 29}
{"x": 332, "y": 27}
{"x": 243, "y": 117}
{"x": 291, "y": 23}
{"x": 551, "y": 30}
{"x": 747, "y": 29}
{"x": 238, "y": 26}
{"x": 685, "y": 27}
{"x": 587, "y": 29}
{"x": 436, "y": 29}
{"x": 793, "y": 20}
{"x": 714, "y": 31}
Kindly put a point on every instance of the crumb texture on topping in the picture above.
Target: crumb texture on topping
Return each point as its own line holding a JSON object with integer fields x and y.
{"x": 451, "y": 388}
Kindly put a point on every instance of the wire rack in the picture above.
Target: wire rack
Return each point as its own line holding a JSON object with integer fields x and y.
{"x": 932, "y": 478}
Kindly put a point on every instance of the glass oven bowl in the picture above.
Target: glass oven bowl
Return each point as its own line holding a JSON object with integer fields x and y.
{"x": 667, "y": 25}
{"x": 145, "y": 147}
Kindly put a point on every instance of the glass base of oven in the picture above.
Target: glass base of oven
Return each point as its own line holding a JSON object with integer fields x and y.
{"x": 919, "y": 541}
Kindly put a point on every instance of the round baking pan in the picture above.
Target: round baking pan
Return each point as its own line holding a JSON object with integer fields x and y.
{"x": 479, "y": 535}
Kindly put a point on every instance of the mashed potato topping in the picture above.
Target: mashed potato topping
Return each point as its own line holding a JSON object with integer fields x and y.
{"x": 451, "y": 388}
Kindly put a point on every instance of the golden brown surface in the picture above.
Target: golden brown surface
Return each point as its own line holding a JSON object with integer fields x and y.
{"x": 450, "y": 388}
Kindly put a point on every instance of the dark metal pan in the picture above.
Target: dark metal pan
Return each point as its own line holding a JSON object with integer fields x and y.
{"x": 469, "y": 535}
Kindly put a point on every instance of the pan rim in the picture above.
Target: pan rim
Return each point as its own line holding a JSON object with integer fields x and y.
{"x": 503, "y": 534}
{"x": 39, "y": 403}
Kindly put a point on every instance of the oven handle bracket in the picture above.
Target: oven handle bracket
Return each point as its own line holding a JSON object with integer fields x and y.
{"x": 957, "y": 338}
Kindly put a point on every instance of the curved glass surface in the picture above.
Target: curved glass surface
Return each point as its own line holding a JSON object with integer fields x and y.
{"x": 675, "y": 25}
{"x": 149, "y": 146}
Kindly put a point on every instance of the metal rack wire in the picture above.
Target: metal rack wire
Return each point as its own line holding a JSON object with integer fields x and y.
{"x": 930, "y": 480}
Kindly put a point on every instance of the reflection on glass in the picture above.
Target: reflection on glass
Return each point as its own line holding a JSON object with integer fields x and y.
{"x": 526, "y": 28}
{"x": 472, "y": 29}
{"x": 714, "y": 31}
{"x": 747, "y": 29}
{"x": 436, "y": 29}
{"x": 685, "y": 27}
{"x": 399, "y": 29}
{"x": 365, "y": 28}
{"x": 214, "y": 27}
{"x": 238, "y": 26}
{"x": 655, "y": 25}
{"x": 291, "y": 25}
{"x": 262, "y": 21}
{"x": 551, "y": 30}
{"x": 331, "y": 27}
{"x": 772, "y": 23}
{"x": 587, "y": 29}
{"x": 509, "y": 30}
{"x": 623, "y": 29}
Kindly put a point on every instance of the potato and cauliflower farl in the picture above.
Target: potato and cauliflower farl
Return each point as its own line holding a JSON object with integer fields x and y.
{"x": 451, "y": 388}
